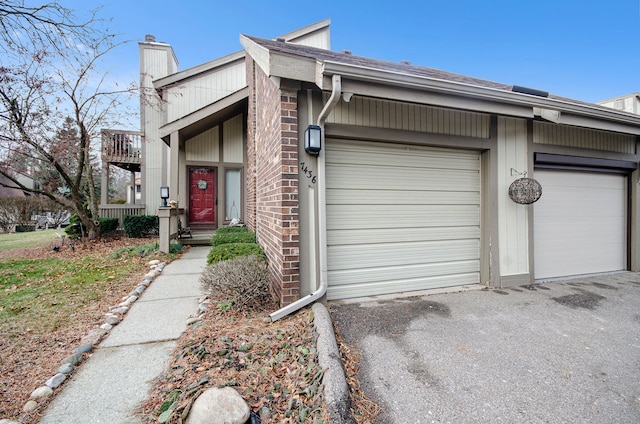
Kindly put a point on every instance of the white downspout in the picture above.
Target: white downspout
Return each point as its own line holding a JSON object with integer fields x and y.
{"x": 322, "y": 220}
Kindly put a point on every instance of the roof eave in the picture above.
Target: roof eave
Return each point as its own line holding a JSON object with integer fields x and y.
{"x": 198, "y": 70}
{"x": 631, "y": 123}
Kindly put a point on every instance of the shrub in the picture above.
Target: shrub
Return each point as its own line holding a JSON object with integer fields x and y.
{"x": 137, "y": 226}
{"x": 225, "y": 252}
{"x": 108, "y": 225}
{"x": 25, "y": 228}
{"x": 236, "y": 237}
{"x": 233, "y": 229}
{"x": 242, "y": 282}
{"x": 76, "y": 229}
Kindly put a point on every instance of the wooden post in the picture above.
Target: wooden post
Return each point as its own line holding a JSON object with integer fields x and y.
{"x": 167, "y": 227}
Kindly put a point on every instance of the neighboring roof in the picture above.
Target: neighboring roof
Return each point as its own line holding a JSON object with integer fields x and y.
{"x": 309, "y": 64}
{"x": 626, "y": 96}
{"x": 9, "y": 191}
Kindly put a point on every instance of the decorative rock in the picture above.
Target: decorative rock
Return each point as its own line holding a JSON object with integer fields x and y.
{"x": 41, "y": 392}
{"x": 133, "y": 293}
{"x": 65, "y": 369}
{"x": 148, "y": 279}
{"x": 154, "y": 262}
{"x": 192, "y": 320}
{"x": 113, "y": 320}
{"x": 129, "y": 301}
{"x": 151, "y": 275}
{"x": 85, "y": 348}
{"x": 55, "y": 381}
{"x": 94, "y": 336}
{"x": 140, "y": 289}
{"x": 74, "y": 359}
{"x": 219, "y": 406}
{"x": 106, "y": 326}
{"x": 30, "y": 406}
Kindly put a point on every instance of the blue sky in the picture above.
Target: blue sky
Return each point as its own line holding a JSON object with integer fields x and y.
{"x": 587, "y": 49}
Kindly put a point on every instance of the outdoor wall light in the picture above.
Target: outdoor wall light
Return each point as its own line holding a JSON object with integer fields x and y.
{"x": 313, "y": 139}
{"x": 164, "y": 195}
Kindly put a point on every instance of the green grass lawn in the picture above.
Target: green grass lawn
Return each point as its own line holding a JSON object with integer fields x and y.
{"x": 41, "y": 294}
{"x": 30, "y": 239}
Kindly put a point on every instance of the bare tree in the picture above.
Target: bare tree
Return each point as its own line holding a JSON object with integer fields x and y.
{"x": 53, "y": 73}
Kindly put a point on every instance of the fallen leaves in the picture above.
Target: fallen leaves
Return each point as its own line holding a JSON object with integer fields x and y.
{"x": 272, "y": 365}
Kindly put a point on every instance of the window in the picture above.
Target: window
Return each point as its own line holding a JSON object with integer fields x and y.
{"x": 233, "y": 194}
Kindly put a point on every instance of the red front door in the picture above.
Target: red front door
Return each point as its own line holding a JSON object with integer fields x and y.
{"x": 202, "y": 196}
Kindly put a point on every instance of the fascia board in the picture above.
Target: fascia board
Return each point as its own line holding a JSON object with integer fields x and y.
{"x": 260, "y": 55}
{"x": 199, "y": 69}
{"x": 466, "y": 90}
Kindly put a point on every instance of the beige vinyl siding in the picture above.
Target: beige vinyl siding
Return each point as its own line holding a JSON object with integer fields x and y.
{"x": 364, "y": 111}
{"x": 205, "y": 147}
{"x": 232, "y": 140}
{"x": 318, "y": 40}
{"x": 562, "y": 135}
{"x": 205, "y": 89}
{"x": 513, "y": 218}
{"x": 156, "y": 62}
{"x": 400, "y": 218}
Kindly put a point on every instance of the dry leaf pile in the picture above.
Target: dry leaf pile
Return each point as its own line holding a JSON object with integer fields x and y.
{"x": 273, "y": 366}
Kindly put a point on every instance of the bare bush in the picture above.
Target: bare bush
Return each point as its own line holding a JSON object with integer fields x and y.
{"x": 243, "y": 282}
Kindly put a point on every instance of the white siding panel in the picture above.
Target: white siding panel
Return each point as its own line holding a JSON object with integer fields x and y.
{"x": 558, "y": 135}
{"x": 364, "y": 111}
{"x": 205, "y": 147}
{"x": 205, "y": 89}
{"x": 232, "y": 140}
{"x": 513, "y": 228}
{"x": 580, "y": 223}
{"x": 400, "y": 218}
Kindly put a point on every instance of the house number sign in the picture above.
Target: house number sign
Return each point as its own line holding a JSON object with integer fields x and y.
{"x": 525, "y": 191}
{"x": 308, "y": 172}
{"x": 202, "y": 184}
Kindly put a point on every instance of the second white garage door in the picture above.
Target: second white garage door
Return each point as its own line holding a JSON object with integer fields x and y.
{"x": 580, "y": 223}
{"x": 400, "y": 218}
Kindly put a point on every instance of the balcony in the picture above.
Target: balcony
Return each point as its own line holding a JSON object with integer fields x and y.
{"x": 122, "y": 148}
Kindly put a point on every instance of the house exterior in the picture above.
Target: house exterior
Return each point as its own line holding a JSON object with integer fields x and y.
{"x": 411, "y": 188}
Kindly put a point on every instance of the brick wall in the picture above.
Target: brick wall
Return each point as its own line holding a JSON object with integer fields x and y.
{"x": 272, "y": 151}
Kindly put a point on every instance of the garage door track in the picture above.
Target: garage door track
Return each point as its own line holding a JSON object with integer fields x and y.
{"x": 559, "y": 352}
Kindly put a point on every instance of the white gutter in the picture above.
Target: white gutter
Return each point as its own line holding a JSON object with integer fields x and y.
{"x": 322, "y": 220}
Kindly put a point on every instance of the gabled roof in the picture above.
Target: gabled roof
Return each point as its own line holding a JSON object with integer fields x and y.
{"x": 418, "y": 84}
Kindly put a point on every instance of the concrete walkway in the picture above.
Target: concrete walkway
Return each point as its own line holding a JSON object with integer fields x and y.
{"x": 117, "y": 377}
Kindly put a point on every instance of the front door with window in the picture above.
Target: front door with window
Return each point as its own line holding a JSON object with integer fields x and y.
{"x": 202, "y": 196}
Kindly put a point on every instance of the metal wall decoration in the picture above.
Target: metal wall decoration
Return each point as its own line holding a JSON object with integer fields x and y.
{"x": 202, "y": 184}
{"x": 525, "y": 191}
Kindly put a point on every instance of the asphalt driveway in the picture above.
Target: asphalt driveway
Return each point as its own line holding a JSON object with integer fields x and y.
{"x": 558, "y": 352}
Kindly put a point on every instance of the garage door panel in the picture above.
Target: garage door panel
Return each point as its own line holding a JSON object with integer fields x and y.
{"x": 410, "y": 272}
{"x": 580, "y": 223}
{"x": 399, "y": 286}
{"x": 351, "y": 153}
{"x": 368, "y": 177}
{"x": 368, "y": 256}
{"x": 402, "y": 196}
{"x": 393, "y": 216}
{"x": 393, "y": 235}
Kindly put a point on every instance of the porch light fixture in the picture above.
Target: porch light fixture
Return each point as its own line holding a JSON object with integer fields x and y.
{"x": 164, "y": 195}
{"x": 313, "y": 139}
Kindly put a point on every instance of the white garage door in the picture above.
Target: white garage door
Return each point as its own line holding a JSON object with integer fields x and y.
{"x": 580, "y": 223}
{"x": 400, "y": 218}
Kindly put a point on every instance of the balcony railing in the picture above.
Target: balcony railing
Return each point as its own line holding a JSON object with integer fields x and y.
{"x": 122, "y": 148}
